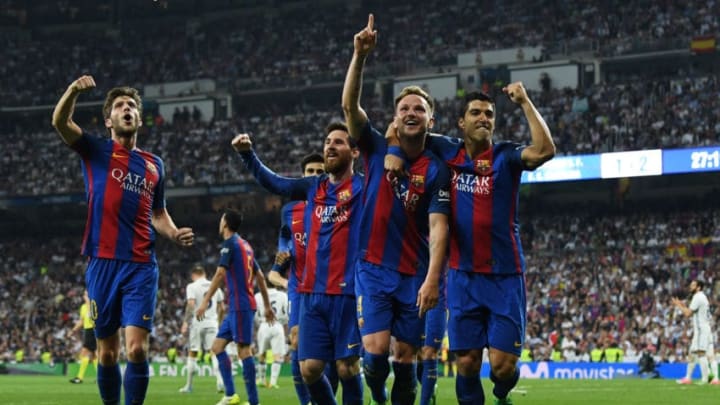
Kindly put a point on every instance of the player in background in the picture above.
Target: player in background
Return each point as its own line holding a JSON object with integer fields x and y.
{"x": 271, "y": 335}
{"x": 486, "y": 282}
{"x": 702, "y": 340}
{"x": 328, "y": 319}
{"x": 290, "y": 261}
{"x": 404, "y": 232}
{"x": 125, "y": 188}
{"x": 238, "y": 269}
{"x": 202, "y": 333}
{"x": 89, "y": 345}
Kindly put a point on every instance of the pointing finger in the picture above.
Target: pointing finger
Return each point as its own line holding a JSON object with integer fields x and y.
{"x": 371, "y": 22}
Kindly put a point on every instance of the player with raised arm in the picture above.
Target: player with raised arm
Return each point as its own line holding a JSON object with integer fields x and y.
{"x": 271, "y": 335}
{"x": 328, "y": 321}
{"x": 202, "y": 333}
{"x": 125, "y": 188}
{"x": 404, "y": 232}
{"x": 702, "y": 340}
{"x": 290, "y": 260}
{"x": 238, "y": 269}
{"x": 486, "y": 282}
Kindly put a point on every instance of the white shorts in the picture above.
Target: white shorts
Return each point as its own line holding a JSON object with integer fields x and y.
{"x": 231, "y": 349}
{"x": 202, "y": 338}
{"x": 702, "y": 341}
{"x": 271, "y": 337}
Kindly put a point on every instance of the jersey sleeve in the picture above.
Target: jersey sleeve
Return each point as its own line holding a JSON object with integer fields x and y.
{"x": 89, "y": 145}
{"x": 296, "y": 189}
{"x": 285, "y": 235}
{"x": 225, "y": 255}
{"x": 695, "y": 303}
{"x": 372, "y": 141}
{"x": 444, "y": 147}
{"x": 514, "y": 151}
{"x": 189, "y": 293}
{"x": 440, "y": 191}
{"x": 159, "y": 198}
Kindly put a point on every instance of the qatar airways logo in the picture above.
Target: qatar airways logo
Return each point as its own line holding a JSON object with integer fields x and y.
{"x": 300, "y": 238}
{"x": 471, "y": 183}
{"x": 133, "y": 182}
{"x": 330, "y": 214}
{"x": 403, "y": 193}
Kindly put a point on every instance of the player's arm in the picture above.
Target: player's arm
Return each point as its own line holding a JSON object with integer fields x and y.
{"x": 78, "y": 324}
{"x": 542, "y": 147}
{"x": 281, "y": 261}
{"x": 260, "y": 280}
{"x": 687, "y": 311}
{"x": 439, "y": 235}
{"x": 355, "y": 116}
{"x": 294, "y": 188}
{"x": 189, "y": 312}
{"x": 62, "y": 120}
{"x": 217, "y": 279}
{"x": 164, "y": 225}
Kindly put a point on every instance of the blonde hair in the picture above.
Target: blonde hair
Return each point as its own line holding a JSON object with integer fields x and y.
{"x": 418, "y": 91}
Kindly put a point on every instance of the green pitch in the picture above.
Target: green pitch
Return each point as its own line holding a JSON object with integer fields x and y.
{"x": 43, "y": 390}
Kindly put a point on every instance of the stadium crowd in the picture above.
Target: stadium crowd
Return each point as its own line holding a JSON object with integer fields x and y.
{"x": 640, "y": 114}
{"x": 593, "y": 282}
{"x": 278, "y": 48}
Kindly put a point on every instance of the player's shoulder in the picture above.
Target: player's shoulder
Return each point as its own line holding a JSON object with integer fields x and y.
{"x": 506, "y": 147}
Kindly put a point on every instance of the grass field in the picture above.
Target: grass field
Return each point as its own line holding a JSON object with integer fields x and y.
{"x": 22, "y": 390}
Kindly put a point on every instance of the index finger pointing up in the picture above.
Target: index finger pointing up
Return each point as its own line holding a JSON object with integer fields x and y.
{"x": 371, "y": 21}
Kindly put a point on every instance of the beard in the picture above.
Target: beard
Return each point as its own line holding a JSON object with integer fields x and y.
{"x": 123, "y": 129}
{"x": 337, "y": 166}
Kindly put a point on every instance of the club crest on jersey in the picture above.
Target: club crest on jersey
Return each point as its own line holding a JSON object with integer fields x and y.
{"x": 417, "y": 180}
{"x": 482, "y": 166}
{"x": 344, "y": 195}
{"x": 151, "y": 167}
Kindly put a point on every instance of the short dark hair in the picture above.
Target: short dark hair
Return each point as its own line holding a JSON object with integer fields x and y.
{"x": 700, "y": 283}
{"x": 311, "y": 158}
{"x": 118, "y": 92}
{"x": 233, "y": 219}
{"x": 340, "y": 126}
{"x": 475, "y": 95}
{"x": 198, "y": 269}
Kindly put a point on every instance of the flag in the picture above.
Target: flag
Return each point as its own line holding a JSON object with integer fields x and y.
{"x": 703, "y": 44}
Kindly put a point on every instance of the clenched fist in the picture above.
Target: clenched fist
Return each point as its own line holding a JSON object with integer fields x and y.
{"x": 242, "y": 143}
{"x": 516, "y": 92}
{"x": 84, "y": 83}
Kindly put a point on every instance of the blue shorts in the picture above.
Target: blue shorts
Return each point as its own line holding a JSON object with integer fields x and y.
{"x": 328, "y": 327}
{"x": 486, "y": 310}
{"x": 122, "y": 293}
{"x": 237, "y": 327}
{"x": 293, "y": 309}
{"x": 387, "y": 300}
{"x": 436, "y": 321}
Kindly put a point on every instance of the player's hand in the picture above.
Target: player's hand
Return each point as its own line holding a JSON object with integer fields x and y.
{"x": 242, "y": 143}
{"x": 281, "y": 258}
{"x": 200, "y": 313}
{"x": 516, "y": 92}
{"x": 366, "y": 39}
{"x": 269, "y": 316}
{"x": 84, "y": 83}
{"x": 184, "y": 237}
{"x": 184, "y": 328}
{"x": 675, "y": 301}
{"x": 427, "y": 297}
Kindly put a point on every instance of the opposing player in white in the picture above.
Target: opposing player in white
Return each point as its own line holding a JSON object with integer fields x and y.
{"x": 271, "y": 335}
{"x": 202, "y": 333}
{"x": 701, "y": 347}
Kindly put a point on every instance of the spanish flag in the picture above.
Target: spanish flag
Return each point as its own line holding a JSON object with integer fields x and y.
{"x": 704, "y": 44}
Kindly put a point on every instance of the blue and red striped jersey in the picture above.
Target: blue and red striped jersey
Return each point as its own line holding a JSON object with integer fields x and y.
{"x": 238, "y": 259}
{"x": 395, "y": 225}
{"x": 122, "y": 187}
{"x": 332, "y": 223}
{"x": 484, "y": 229}
{"x": 292, "y": 239}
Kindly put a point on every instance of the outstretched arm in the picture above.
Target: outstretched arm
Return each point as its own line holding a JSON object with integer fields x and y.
{"x": 542, "y": 147}
{"x": 355, "y": 116}
{"x": 681, "y": 305}
{"x": 293, "y": 188}
{"x": 62, "y": 120}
